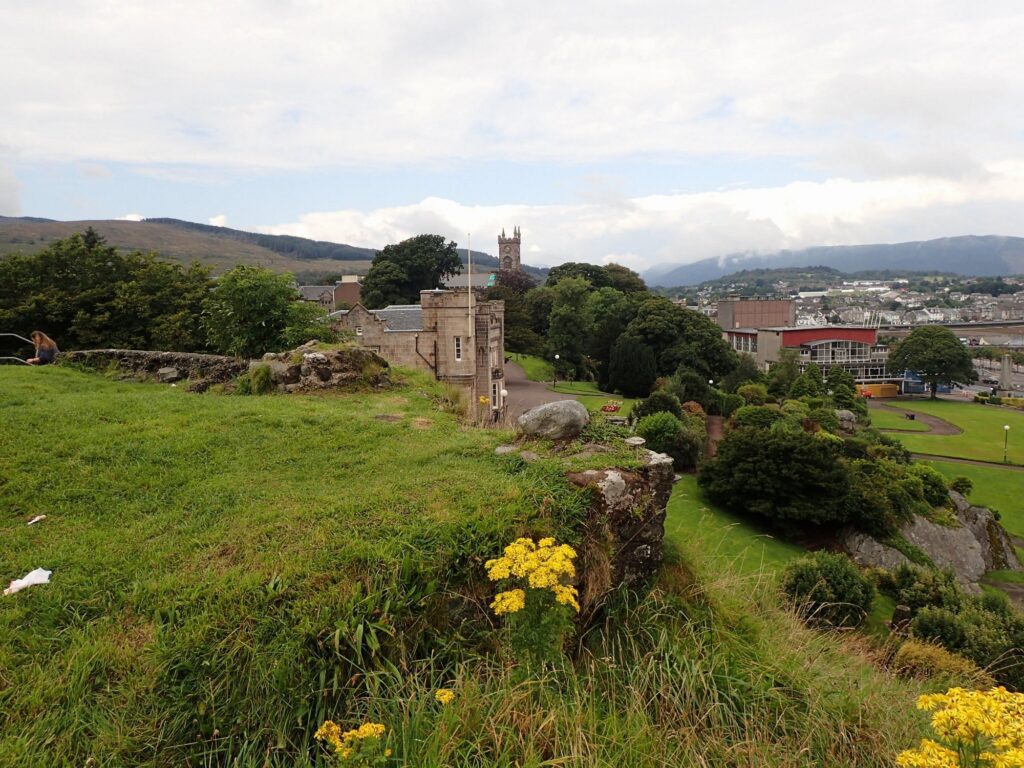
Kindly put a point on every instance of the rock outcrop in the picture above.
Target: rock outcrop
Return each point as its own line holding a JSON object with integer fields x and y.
{"x": 308, "y": 368}
{"x": 200, "y": 370}
{"x": 625, "y": 528}
{"x": 977, "y": 545}
{"x": 561, "y": 420}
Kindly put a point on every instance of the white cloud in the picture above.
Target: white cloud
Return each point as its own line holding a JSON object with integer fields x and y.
{"x": 10, "y": 193}
{"x": 220, "y": 220}
{"x": 352, "y": 83}
{"x": 131, "y": 217}
{"x": 644, "y": 231}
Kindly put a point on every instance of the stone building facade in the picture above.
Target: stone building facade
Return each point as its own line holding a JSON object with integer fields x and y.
{"x": 509, "y": 250}
{"x": 438, "y": 335}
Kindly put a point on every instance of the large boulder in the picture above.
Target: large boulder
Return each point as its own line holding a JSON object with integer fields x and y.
{"x": 562, "y": 420}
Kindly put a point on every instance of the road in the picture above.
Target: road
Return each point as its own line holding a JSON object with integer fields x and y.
{"x": 524, "y": 394}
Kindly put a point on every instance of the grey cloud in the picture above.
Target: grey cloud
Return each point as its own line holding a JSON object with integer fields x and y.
{"x": 10, "y": 193}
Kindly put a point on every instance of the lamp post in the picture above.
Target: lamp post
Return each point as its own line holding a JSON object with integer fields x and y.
{"x": 554, "y": 373}
{"x": 1006, "y": 442}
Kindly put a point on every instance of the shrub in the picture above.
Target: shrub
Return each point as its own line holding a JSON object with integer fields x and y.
{"x": 692, "y": 406}
{"x": 920, "y": 588}
{"x": 882, "y": 496}
{"x": 753, "y": 394}
{"x": 923, "y": 660}
{"x": 781, "y": 476}
{"x": 828, "y": 589}
{"x": 796, "y": 408}
{"x": 729, "y": 403}
{"x": 262, "y": 380}
{"x": 658, "y": 402}
{"x": 962, "y": 485}
{"x": 935, "y": 491}
{"x": 665, "y": 433}
{"x": 825, "y": 418}
{"x": 941, "y": 625}
{"x": 758, "y": 416}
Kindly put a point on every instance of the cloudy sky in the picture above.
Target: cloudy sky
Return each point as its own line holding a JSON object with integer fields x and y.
{"x": 639, "y": 132}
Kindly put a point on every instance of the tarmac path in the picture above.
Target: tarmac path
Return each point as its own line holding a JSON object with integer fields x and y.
{"x": 936, "y": 426}
{"x": 524, "y": 394}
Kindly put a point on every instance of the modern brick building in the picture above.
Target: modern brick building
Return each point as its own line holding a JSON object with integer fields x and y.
{"x": 855, "y": 349}
{"x": 756, "y": 313}
{"x": 440, "y": 335}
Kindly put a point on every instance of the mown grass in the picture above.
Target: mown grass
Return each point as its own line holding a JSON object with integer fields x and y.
{"x": 982, "y": 437}
{"x": 884, "y": 419}
{"x": 1001, "y": 489}
{"x": 228, "y": 572}
{"x": 736, "y": 545}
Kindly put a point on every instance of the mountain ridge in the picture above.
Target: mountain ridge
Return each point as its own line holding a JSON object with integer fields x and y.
{"x": 975, "y": 255}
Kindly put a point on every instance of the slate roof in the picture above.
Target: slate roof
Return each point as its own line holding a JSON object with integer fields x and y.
{"x": 314, "y": 292}
{"x": 401, "y": 317}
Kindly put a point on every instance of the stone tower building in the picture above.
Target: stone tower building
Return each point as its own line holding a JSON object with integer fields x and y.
{"x": 508, "y": 250}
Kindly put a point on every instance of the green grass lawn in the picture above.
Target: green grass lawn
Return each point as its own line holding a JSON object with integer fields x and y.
{"x": 884, "y": 419}
{"x": 1001, "y": 489}
{"x": 982, "y": 426}
{"x": 204, "y": 546}
{"x": 731, "y": 544}
{"x": 535, "y": 368}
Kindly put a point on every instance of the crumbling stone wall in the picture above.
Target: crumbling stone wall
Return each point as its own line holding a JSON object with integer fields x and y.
{"x": 624, "y": 537}
{"x": 201, "y": 370}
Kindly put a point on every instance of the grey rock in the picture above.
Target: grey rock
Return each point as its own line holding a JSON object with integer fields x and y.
{"x": 529, "y": 456}
{"x": 562, "y": 420}
{"x": 960, "y": 504}
{"x": 866, "y": 551}
{"x": 168, "y": 374}
{"x": 901, "y": 618}
{"x": 997, "y": 548}
{"x": 844, "y": 415}
{"x": 505, "y": 450}
{"x": 953, "y": 548}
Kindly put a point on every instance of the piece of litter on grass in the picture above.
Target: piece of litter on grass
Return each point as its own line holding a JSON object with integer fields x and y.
{"x": 38, "y": 576}
{"x": 36, "y": 519}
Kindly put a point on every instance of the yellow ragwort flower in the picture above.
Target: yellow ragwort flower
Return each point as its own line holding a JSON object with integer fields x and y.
{"x": 509, "y": 602}
{"x": 444, "y": 695}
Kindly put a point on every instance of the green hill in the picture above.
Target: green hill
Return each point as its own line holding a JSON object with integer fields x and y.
{"x": 229, "y": 572}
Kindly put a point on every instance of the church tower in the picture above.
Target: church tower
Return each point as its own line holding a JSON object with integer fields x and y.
{"x": 508, "y": 250}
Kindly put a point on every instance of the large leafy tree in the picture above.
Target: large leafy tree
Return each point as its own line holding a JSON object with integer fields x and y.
{"x": 632, "y": 368}
{"x": 935, "y": 354}
{"x": 569, "y": 326}
{"x": 84, "y": 293}
{"x": 252, "y": 311}
{"x": 614, "y": 276}
{"x": 400, "y": 271}
{"x": 682, "y": 337}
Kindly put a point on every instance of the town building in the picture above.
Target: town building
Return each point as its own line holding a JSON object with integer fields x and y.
{"x": 344, "y": 293}
{"x": 451, "y": 334}
{"x": 855, "y": 349}
{"x": 755, "y": 313}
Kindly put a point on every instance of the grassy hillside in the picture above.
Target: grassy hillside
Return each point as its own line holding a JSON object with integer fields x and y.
{"x": 172, "y": 242}
{"x": 228, "y": 572}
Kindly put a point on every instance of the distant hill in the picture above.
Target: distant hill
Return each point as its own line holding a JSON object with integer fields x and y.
{"x": 988, "y": 256}
{"x": 218, "y": 247}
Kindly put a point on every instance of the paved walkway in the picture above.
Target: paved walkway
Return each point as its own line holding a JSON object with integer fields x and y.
{"x": 524, "y": 394}
{"x": 936, "y": 426}
{"x": 954, "y": 460}
{"x": 716, "y": 431}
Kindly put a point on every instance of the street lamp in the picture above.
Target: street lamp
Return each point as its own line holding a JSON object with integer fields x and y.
{"x": 554, "y": 373}
{"x": 1006, "y": 441}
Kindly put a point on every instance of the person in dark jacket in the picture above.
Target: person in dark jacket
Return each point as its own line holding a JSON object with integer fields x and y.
{"x": 46, "y": 349}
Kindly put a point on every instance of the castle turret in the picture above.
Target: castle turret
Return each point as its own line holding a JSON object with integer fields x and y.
{"x": 508, "y": 250}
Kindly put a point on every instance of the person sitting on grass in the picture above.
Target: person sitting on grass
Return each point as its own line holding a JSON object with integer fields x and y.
{"x": 46, "y": 349}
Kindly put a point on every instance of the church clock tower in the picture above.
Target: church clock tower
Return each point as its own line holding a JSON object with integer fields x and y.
{"x": 508, "y": 250}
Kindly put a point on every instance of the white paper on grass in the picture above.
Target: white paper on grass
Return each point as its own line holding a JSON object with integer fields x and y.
{"x": 36, "y": 519}
{"x": 38, "y": 576}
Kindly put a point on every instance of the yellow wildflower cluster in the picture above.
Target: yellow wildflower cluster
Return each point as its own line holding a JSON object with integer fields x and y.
{"x": 344, "y": 744}
{"x": 543, "y": 564}
{"x": 966, "y": 719}
{"x": 444, "y": 695}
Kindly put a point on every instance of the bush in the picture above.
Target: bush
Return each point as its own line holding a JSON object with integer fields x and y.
{"x": 935, "y": 491}
{"x": 825, "y": 418}
{"x": 756, "y": 416}
{"x": 728, "y": 404}
{"x": 753, "y": 394}
{"x": 692, "y": 406}
{"x": 665, "y": 433}
{"x": 919, "y": 588}
{"x": 658, "y": 402}
{"x": 780, "y": 476}
{"x": 882, "y": 496}
{"x": 962, "y": 485}
{"x": 828, "y": 589}
{"x": 922, "y": 660}
{"x": 940, "y": 625}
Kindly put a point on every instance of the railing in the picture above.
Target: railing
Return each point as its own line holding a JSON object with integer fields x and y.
{"x": 13, "y": 357}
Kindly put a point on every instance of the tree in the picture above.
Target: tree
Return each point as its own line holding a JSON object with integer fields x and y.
{"x": 400, "y": 271}
{"x": 746, "y": 372}
{"x": 935, "y": 354}
{"x": 783, "y": 373}
{"x": 808, "y": 383}
{"x": 85, "y": 293}
{"x": 681, "y": 336}
{"x": 611, "y": 311}
{"x": 569, "y": 325}
{"x": 519, "y": 334}
{"x": 514, "y": 280}
{"x": 252, "y": 311}
{"x": 631, "y": 369}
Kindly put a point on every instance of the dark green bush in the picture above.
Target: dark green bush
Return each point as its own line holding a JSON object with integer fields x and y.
{"x": 665, "y": 433}
{"x": 825, "y": 418}
{"x": 941, "y": 626}
{"x": 882, "y": 496}
{"x": 728, "y": 404}
{"x": 935, "y": 491}
{"x": 920, "y": 588}
{"x": 828, "y": 589}
{"x": 262, "y": 380}
{"x": 759, "y": 416}
{"x": 962, "y": 485}
{"x": 658, "y": 402}
{"x": 753, "y": 394}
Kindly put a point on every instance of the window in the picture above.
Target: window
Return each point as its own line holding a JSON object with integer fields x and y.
{"x": 359, "y": 330}
{"x": 458, "y": 347}
{"x": 494, "y": 394}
